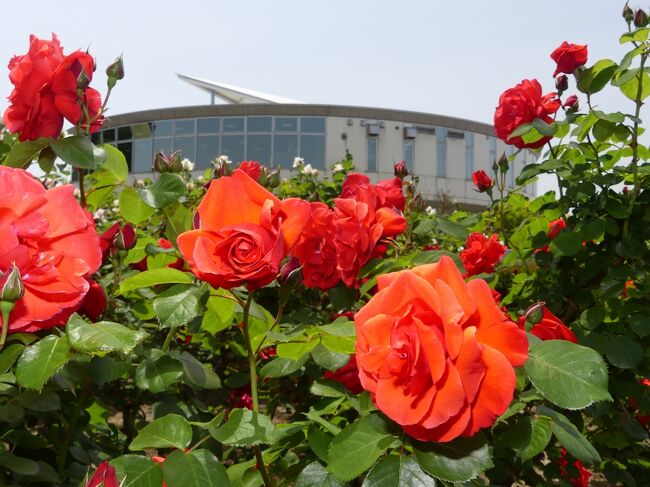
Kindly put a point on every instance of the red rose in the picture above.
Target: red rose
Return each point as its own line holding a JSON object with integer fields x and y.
{"x": 522, "y": 104}
{"x": 53, "y": 244}
{"x": 569, "y": 57}
{"x": 549, "y": 328}
{"x": 482, "y": 181}
{"x": 94, "y": 303}
{"x": 584, "y": 475}
{"x": 481, "y": 254}
{"x": 436, "y": 353}
{"x": 386, "y": 193}
{"x": 571, "y": 103}
{"x": 252, "y": 168}
{"x": 348, "y": 375}
{"x": 554, "y": 227}
{"x": 104, "y": 476}
{"x": 400, "y": 170}
{"x": 244, "y": 235}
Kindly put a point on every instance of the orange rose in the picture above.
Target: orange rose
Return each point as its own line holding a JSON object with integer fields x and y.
{"x": 52, "y": 242}
{"x": 245, "y": 232}
{"x": 436, "y": 353}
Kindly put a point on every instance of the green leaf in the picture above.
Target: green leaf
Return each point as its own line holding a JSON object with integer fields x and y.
{"x": 43, "y": 401}
{"x": 569, "y": 436}
{"x": 546, "y": 129}
{"x": 103, "y": 336}
{"x": 137, "y": 471}
{"x": 157, "y": 374}
{"x": 198, "y": 468}
{"x": 170, "y": 431}
{"x": 196, "y": 373}
{"x": 452, "y": 228}
{"x": 327, "y": 388}
{"x": 329, "y": 360}
{"x": 79, "y": 151}
{"x": 23, "y": 153}
{"x": 9, "y": 355}
{"x": 167, "y": 190}
{"x": 178, "y": 219}
{"x": 358, "y": 446}
{"x": 458, "y": 460}
{"x": 40, "y": 361}
{"x": 398, "y": 471}
{"x": 19, "y": 465}
{"x": 46, "y": 159}
{"x": 314, "y": 474}
{"x": 295, "y": 350}
{"x": 279, "y": 367}
{"x": 529, "y": 436}
{"x": 639, "y": 35}
{"x": 178, "y": 305}
{"x": 631, "y": 88}
{"x": 153, "y": 277}
{"x": 339, "y": 344}
{"x": 623, "y": 352}
{"x": 132, "y": 208}
{"x": 245, "y": 428}
{"x": 594, "y": 79}
{"x": 319, "y": 442}
{"x": 219, "y": 314}
{"x": 567, "y": 243}
{"x": 569, "y": 375}
{"x": 115, "y": 168}
{"x": 107, "y": 369}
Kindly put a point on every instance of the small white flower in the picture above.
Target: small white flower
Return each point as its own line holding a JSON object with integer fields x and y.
{"x": 461, "y": 248}
{"x": 298, "y": 162}
{"x": 430, "y": 210}
{"x": 99, "y": 214}
{"x": 434, "y": 241}
{"x": 338, "y": 168}
{"x": 116, "y": 203}
{"x": 221, "y": 160}
{"x": 187, "y": 165}
{"x": 200, "y": 179}
{"x": 309, "y": 171}
{"x": 189, "y": 186}
{"x": 502, "y": 242}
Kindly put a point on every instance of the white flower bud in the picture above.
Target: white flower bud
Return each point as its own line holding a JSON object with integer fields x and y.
{"x": 187, "y": 165}
{"x": 430, "y": 210}
{"x": 298, "y": 162}
{"x": 338, "y": 168}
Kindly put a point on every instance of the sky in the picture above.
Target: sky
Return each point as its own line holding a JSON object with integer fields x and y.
{"x": 445, "y": 57}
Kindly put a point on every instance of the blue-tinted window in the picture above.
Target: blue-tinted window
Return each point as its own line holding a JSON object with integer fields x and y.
{"x": 259, "y": 124}
{"x": 124, "y": 133}
{"x": 286, "y": 124}
{"x": 142, "y": 155}
{"x": 208, "y": 125}
{"x": 163, "y": 144}
{"x": 259, "y": 148}
{"x": 312, "y": 124}
{"x": 184, "y": 127}
{"x": 285, "y": 149}
{"x": 469, "y": 155}
{"x": 186, "y": 146}
{"x": 409, "y": 153}
{"x": 233, "y": 147}
{"x": 207, "y": 148}
{"x": 441, "y": 151}
{"x": 312, "y": 150}
{"x": 372, "y": 154}
{"x": 232, "y": 124}
{"x": 108, "y": 135}
{"x": 142, "y": 131}
{"x": 162, "y": 128}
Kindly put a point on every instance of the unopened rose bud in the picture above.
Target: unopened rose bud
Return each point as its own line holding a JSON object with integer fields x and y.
{"x": 115, "y": 72}
{"x": 274, "y": 179}
{"x": 163, "y": 163}
{"x": 628, "y": 13}
{"x": 11, "y": 285}
{"x": 640, "y": 18}
{"x": 290, "y": 272}
{"x": 535, "y": 313}
{"x": 561, "y": 83}
{"x": 503, "y": 163}
{"x": 82, "y": 80}
{"x": 571, "y": 103}
{"x": 105, "y": 475}
{"x": 400, "y": 170}
{"x": 125, "y": 238}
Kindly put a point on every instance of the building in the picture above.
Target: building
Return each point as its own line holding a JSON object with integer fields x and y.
{"x": 443, "y": 151}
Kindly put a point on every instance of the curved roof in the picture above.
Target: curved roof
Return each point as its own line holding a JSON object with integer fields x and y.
{"x": 234, "y": 94}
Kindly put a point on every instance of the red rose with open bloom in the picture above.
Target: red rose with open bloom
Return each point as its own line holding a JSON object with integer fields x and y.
{"x": 386, "y": 193}
{"x": 54, "y": 245}
{"x": 436, "y": 353}
{"x": 550, "y": 328}
{"x": 522, "y": 104}
{"x": 252, "y": 168}
{"x": 481, "y": 254}
{"x": 482, "y": 181}
{"x": 245, "y": 232}
{"x": 348, "y": 375}
{"x": 569, "y": 57}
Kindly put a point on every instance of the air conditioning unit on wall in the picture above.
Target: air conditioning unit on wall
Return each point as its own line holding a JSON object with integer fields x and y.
{"x": 373, "y": 129}
{"x": 410, "y": 132}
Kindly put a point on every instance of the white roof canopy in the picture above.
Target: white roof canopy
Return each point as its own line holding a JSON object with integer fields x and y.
{"x": 233, "y": 94}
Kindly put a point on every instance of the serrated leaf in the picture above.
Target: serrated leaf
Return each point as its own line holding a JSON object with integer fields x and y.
{"x": 459, "y": 460}
{"x": 528, "y": 436}
{"x": 398, "y": 471}
{"x": 158, "y": 374}
{"x": 167, "y": 190}
{"x": 23, "y": 153}
{"x": 623, "y": 352}
{"x": 115, "y": 168}
{"x": 567, "y": 243}
{"x": 19, "y": 465}
{"x": 329, "y": 360}
{"x": 79, "y": 151}
{"x": 137, "y": 471}
{"x": 339, "y": 344}
{"x": 569, "y": 436}
{"x": 132, "y": 208}
{"x": 315, "y": 474}
{"x": 43, "y": 401}
{"x": 107, "y": 369}
{"x": 170, "y": 431}
{"x": 196, "y": 373}
{"x": 103, "y": 336}
{"x": 219, "y": 314}
{"x": 9, "y": 355}
{"x": 245, "y": 428}
{"x": 319, "y": 442}
{"x": 198, "y": 468}
{"x": 358, "y": 446}
{"x": 153, "y": 277}
{"x": 295, "y": 350}
{"x": 594, "y": 79}
{"x": 452, "y": 228}
{"x": 279, "y": 367}
{"x": 178, "y": 305}
{"x": 40, "y": 361}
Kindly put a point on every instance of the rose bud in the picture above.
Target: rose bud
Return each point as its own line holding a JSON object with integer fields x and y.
{"x": 125, "y": 238}
{"x": 196, "y": 221}
{"x": 535, "y": 313}
{"x": 252, "y": 168}
{"x": 561, "y": 83}
{"x": 11, "y": 285}
{"x": 628, "y": 14}
{"x": 482, "y": 181}
{"x": 163, "y": 163}
{"x": 400, "y": 170}
{"x": 503, "y": 163}
{"x": 640, "y": 18}
{"x": 94, "y": 303}
{"x": 115, "y": 71}
{"x": 274, "y": 179}
{"x": 82, "y": 80}
{"x": 290, "y": 272}
{"x": 105, "y": 476}
{"x": 571, "y": 103}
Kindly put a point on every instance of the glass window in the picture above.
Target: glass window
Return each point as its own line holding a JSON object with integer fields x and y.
{"x": 258, "y": 148}
{"x": 469, "y": 155}
{"x": 286, "y": 124}
{"x": 162, "y": 128}
{"x": 409, "y": 153}
{"x": 208, "y": 125}
{"x": 441, "y": 152}
{"x": 142, "y": 155}
{"x": 233, "y": 124}
{"x": 124, "y": 133}
{"x": 312, "y": 124}
{"x": 164, "y": 144}
{"x": 184, "y": 127}
{"x": 186, "y": 146}
{"x": 312, "y": 150}
{"x": 108, "y": 135}
{"x": 233, "y": 147}
{"x": 96, "y": 138}
{"x": 285, "y": 149}
{"x": 126, "y": 148}
{"x": 207, "y": 148}
{"x": 259, "y": 124}
{"x": 141, "y": 131}
{"x": 372, "y": 154}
